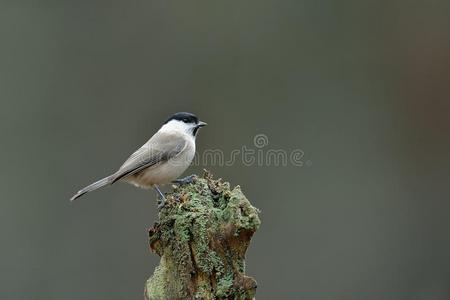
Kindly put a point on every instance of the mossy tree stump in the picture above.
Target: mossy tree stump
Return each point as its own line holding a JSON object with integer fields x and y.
{"x": 202, "y": 235}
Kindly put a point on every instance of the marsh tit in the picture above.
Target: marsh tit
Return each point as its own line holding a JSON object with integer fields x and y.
{"x": 164, "y": 157}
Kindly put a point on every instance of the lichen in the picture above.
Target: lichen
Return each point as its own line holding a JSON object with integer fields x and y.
{"x": 202, "y": 235}
{"x": 224, "y": 286}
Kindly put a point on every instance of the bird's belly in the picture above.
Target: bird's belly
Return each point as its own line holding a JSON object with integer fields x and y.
{"x": 162, "y": 173}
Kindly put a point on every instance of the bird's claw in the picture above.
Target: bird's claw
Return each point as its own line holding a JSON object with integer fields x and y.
{"x": 186, "y": 180}
{"x": 161, "y": 203}
{"x": 161, "y": 198}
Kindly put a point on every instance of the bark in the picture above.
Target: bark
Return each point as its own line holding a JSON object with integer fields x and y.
{"x": 201, "y": 236}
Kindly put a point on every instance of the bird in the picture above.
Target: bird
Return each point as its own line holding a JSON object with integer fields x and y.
{"x": 161, "y": 160}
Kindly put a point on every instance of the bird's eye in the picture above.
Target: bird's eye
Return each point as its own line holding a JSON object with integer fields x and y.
{"x": 185, "y": 120}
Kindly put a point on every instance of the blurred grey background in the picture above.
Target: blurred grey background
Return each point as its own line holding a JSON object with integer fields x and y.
{"x": 362, "y": 87}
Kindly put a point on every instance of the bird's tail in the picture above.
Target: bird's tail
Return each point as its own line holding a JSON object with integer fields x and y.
{"x": 93, "y": 186}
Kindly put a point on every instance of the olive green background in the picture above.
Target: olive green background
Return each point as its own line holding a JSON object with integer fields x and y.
{"x": 362, "y": 87}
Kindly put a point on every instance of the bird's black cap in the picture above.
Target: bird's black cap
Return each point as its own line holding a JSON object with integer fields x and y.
{"x": 183, "y": 117}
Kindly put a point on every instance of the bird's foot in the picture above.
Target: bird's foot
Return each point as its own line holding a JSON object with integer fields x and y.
{"x": 185, "y": 180}
{"x": 161, "y": 202}
{"x": 161, "y": 198}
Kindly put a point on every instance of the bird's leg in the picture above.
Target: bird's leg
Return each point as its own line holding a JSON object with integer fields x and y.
{"x": 161, "y": 198}
{"x": 185, "y": 180}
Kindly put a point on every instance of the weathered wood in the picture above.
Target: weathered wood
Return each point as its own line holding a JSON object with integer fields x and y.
{"x": 202, "y": 235}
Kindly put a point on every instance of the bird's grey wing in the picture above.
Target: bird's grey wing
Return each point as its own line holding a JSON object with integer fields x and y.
{"x": 160, "y": 148}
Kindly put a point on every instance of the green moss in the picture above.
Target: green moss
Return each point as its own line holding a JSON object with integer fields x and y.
{"x": 194, "y": 240}
{"x": 224, "y": 286}
{"x": 160, "y": 285}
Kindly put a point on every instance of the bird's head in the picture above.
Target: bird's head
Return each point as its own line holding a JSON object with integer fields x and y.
{"x": 185, "y": 122}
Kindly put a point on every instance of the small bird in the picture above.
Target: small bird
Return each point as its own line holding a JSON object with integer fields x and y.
{"x": 164, "y": 157}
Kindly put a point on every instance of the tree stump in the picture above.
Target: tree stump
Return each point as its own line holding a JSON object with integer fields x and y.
{"x": 201, "y": 236}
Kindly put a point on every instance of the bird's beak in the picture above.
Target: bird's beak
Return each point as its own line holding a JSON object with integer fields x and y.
{"x": 201, "y": 124}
